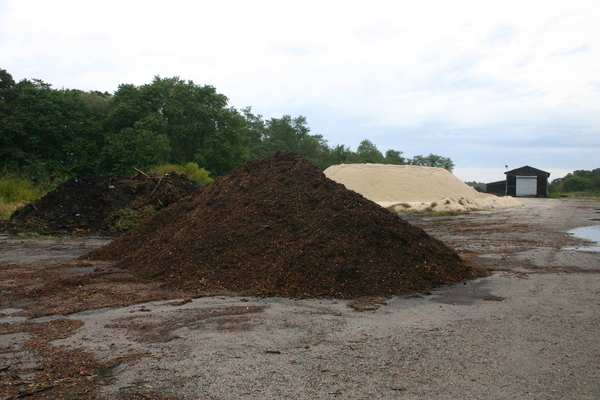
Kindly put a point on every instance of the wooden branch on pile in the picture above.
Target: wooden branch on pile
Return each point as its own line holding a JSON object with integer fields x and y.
{"x": 141, "y": 172}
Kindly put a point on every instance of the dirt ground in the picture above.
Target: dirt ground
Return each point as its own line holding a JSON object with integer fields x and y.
{"x": 75, "y": 329}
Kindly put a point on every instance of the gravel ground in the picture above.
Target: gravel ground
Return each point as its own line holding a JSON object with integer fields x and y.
{"x": 531, "y": 330}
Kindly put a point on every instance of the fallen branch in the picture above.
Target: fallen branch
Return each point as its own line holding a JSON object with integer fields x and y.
{"x": 141, "y": 172}
{"x": 159, "y": 181}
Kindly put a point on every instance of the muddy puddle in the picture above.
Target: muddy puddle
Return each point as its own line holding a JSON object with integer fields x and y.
{"x": 590, "y": 233}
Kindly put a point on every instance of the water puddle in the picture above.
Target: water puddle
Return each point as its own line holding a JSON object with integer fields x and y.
{"x": 591, "y": 233}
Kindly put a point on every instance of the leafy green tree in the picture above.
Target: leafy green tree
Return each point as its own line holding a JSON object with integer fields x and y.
{"x": 341, "y": 154}
{"x": 255, "y": 132}
{"x": 195, "y": 120}
{"x": 433, "y": 160}
{"x": 394, "y": 157}
{"x": 225, "y": 147}
{"x": 47, "y": 132}
{"x": 44, "y": 131}
{"x": 593, "y": 175}
{"x": 98, "y": 104}
{"x": 116, "y": 156}
{"x": 285, "y": 133}
{"x": 367, "y": 152}
{"x": 151, "y": 146}
{"x": 576, "y": 184}
{"x": 577, "y": 181}
{"x": 476, "y": 185}
{"x": 128, "y": 106}
{"x": 141, "y": 146}
{"x": 7, "y": 93}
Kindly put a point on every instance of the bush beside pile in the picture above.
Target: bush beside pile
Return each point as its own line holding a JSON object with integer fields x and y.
{"x": 14, "y": 192}
{"x": 191, "y": 170}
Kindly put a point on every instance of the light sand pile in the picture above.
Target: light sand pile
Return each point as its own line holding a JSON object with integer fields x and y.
{"x": 415, "y": 188}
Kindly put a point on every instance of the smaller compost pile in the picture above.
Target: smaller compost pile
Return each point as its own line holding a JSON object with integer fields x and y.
{"x": 279, "y": 227}
{"x": 100, "y": 203}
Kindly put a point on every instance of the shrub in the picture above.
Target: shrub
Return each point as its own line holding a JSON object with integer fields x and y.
{"x": 15, "y": 192}
{"x": 451, "y": 213}
{"x": 6, "y": 209}
{"x": 126, "y": 219}
{"x": 576, "y": 184}
{"x": 191, "y": 170}
{"x": 13, "y": 189}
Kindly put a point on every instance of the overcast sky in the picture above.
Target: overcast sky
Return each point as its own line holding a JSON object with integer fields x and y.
{"x": 485, "y": 83}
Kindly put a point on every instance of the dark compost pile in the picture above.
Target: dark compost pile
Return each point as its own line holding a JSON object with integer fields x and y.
{"x": 100, "y": 203}
{"x": 278, "y": 227}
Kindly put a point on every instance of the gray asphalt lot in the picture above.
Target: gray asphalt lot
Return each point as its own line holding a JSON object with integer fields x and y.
{"x": 529, "y": 331}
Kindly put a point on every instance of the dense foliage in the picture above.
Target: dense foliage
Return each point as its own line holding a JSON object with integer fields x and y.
{"x": 581, "y": 182}
{"x": 53, "y": 134}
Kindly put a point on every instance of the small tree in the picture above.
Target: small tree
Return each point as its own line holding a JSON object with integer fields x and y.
{"x": 394, "y": 157}
{"x": 367, "y": 152}
{"x": 433, "y": 160}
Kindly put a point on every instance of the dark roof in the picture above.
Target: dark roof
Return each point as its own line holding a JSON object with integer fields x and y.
{"x": 527, "y": 170}
{"x": 496, "y": 183}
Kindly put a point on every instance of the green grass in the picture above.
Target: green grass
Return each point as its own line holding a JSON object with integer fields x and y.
{"x": 6, "y": 209}
{"x": 16, "y": 191}
{"x": 451, "y": 213}
{"x": 13, "y": 189}
{"x": 576, "y": 195}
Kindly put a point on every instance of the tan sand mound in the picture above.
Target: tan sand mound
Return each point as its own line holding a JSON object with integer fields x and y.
{"x": 412, "y": 187}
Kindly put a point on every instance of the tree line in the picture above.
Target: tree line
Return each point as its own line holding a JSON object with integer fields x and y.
{"x": 580, "y": 181}
{"x": 59, "y": 133}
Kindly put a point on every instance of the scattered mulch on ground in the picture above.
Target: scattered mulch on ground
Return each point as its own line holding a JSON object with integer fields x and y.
{"x": 46, "y": 288}
{"x": 367, "y": 303}
{"x": 100, "y": 204}
{"x": 231, "y": 318}
{"x": 278, "y": 227}
{"x": 43, "y": 288}
{"x": 53, "y": 372}
{"x": 56, "y": 372}
{"x": 494, "y": 298}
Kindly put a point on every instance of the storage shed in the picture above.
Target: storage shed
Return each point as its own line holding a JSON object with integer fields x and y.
{"x": 522, "y": 182}
{"x": 496, "y": 187}
{"x": 527, "y": 181}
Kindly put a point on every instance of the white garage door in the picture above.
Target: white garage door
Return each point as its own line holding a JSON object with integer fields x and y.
{"x": 526, "y": 185}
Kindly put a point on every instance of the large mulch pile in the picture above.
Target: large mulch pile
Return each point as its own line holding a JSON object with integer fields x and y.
{"x": 278, "y": 227}
{"x": 100, "y": 203}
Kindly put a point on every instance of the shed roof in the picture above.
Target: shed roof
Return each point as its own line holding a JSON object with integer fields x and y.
{"x": 527, "y": 170}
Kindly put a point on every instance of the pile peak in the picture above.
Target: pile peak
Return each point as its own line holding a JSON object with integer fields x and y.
{"x": 279, "y": 227}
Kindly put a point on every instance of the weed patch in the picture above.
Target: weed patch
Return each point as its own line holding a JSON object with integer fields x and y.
{"x": 126, "y": 219}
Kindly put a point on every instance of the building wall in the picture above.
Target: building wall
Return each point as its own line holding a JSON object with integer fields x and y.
{"x": 496, "y": 187}
{"x": 542, "y": 183}
{"x": 509, "y": 186}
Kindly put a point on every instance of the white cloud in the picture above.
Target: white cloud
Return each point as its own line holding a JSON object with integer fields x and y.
{"x": 414, "y": 76}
